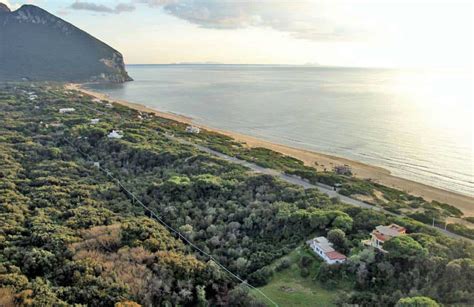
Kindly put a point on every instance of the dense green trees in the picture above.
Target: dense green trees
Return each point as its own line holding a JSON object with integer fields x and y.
{"x": 70, "y": 235}
{"x": 415, "y": 265}
{"x": 338, "y": 238}
{"x": 405, "y": 248}
{"x": 376, "y": 194}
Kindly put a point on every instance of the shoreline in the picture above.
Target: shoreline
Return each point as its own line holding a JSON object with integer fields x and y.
{"x": 317, "y": 160}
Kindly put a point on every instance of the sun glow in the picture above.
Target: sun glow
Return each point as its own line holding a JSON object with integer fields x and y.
{"x": 365, "y": 33}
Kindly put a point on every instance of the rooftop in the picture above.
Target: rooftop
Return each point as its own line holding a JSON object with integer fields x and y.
{"x": 115, "y": 134}
{"x": 323, "y": 244}
{"x": 392, "y": 230}
{"x": 335, "y": 255}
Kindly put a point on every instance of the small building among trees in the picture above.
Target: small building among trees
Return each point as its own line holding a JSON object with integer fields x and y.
{"x": 343, "y": 170}
{"x": 115, "y": 134}
{"x": 66, "y": 110}
{"x": 193, "y": 129}
{"x": 323, "y": 248}
{"x": 381, "y": 234}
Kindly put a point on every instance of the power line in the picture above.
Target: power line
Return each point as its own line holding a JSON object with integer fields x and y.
{"x": 169, "y": 227}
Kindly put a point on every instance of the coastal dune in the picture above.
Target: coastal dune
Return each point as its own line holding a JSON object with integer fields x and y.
{"x": 318, "y": 160}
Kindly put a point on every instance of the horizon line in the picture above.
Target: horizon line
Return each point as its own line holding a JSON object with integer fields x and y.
{"x": 309, "y": 65}
{"x": 257, "y": 64}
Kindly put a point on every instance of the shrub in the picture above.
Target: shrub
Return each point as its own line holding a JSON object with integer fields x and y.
{"x": 470, "y": 219}
{"x": 261, "y": 277}
{"x": 461, "y": 230}
{"x": 283, "y": 264}
{"x": 305, "y": 261}
{"x": 304, "y": 272}
{"x": 416, "y": 301}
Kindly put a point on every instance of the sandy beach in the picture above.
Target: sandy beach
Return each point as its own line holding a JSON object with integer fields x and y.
{"x": 318, "y": 160}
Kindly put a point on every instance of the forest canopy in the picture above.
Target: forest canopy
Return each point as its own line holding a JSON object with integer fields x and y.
{"x": 70, "y": 235}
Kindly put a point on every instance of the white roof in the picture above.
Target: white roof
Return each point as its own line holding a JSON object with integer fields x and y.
{"x": 321, "y": 240}
{"x": 193, "y": 129}
{"x": 323, "y": 244}
{"x": 115, "y": 134}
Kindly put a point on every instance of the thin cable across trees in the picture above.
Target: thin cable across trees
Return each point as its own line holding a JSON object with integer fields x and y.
{"x": 154, "y": 215}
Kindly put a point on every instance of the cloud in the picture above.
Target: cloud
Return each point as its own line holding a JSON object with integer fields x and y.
{"x": 10, "y": 5}
{"x": 215, "y": 14}
{"x": 315, "y": 20}
{"x": 124, "y": 7}
{"x": 156, "y": 3}
{"x": 100, "y": 8}
{"x": 307, "y": 19}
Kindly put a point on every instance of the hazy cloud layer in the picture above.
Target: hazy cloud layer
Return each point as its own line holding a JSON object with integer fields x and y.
{"x": 100, "y": 8}
{"x": 302, "y": 18}
{"x": 157, "y": 2}
{"x": 306, "y": 19}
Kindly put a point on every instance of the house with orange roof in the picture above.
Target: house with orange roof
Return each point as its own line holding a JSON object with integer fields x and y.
{"x": 381, "y": 234}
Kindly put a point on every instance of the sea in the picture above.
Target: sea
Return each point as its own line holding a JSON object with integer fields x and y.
{"x": 416, "y": 123}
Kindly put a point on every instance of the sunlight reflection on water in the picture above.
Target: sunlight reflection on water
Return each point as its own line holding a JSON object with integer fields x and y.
{"x": 416, "y": 124}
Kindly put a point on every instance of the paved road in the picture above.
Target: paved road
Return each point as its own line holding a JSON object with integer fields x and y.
{"x": 303, "y": 183}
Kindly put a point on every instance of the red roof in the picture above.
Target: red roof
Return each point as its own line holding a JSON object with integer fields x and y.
{"x": 380, "y": 236}
{"x": 335, "y": 255}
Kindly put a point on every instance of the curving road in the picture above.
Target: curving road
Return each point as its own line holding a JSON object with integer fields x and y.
{"x": 303, "y": 183}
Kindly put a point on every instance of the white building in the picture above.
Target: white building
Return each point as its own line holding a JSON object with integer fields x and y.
{"x": 109, "y": 105}
{"x": 193, "y": 129}
{"x": 95, "y": 121}
{"x": 66, "y": 110}
{"x": 115, "y": 134}
{"x": 323, "y": 248}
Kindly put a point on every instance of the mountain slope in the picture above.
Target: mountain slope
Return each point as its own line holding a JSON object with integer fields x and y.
{"x": 36, "y": 45}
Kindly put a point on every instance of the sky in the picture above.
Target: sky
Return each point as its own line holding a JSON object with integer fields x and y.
{"x": 360, "y": 33}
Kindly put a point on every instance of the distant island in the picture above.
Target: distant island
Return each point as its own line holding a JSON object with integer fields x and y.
{"x": 38, "y": 46}
{"x": 197, "y": 63}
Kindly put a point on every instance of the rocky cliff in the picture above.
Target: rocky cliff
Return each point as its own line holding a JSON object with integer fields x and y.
{"x": 36, "y": 45}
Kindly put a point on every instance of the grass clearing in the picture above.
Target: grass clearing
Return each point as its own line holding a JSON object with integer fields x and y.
{"x": 288, "y": 288}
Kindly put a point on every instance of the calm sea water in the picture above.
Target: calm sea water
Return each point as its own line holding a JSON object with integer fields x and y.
{"x": 419, "y": 125}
